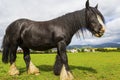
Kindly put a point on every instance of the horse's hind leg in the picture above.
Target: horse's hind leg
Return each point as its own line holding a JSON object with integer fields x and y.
{"x": 31, "y": 69}
{"x": 13, "y": 70}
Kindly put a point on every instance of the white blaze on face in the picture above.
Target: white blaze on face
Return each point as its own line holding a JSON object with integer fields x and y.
{"x": 101, "y": 22}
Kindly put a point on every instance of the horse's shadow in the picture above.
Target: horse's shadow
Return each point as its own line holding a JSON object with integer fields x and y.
{"x": 47, "y": 68}
{"x": 83, "y": 68}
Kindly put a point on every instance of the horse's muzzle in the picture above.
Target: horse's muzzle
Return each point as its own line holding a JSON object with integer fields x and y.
{"x": 100, "y": 33}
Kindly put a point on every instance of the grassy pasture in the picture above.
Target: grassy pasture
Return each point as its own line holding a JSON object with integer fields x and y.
{"x": 85, "y": 66}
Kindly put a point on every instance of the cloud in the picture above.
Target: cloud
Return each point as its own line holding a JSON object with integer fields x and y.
{"x": 113, "y": 25}
{"x": 110, "y": 8}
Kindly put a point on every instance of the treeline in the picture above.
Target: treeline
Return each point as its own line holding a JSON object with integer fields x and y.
{"x": 108, "y": 49}
{"x": 75, "y": 50}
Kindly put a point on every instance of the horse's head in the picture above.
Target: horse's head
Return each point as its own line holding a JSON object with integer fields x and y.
{"x": 94, "y": 20}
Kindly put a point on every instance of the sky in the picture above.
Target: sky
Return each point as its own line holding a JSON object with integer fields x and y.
{"x": 41, "y": 10}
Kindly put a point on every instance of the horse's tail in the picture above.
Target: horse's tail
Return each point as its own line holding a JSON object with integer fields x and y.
{"x": 5, "y": 47}
{"x": 11, "y": 41}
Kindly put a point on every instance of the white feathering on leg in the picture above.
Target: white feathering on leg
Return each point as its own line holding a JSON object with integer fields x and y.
{"x": 65, "y": 75}
{"x": 33, "y": 69}
{"x": 13, "y": 70}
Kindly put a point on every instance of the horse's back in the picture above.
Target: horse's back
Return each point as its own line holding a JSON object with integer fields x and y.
{"x": 35, "y": 35}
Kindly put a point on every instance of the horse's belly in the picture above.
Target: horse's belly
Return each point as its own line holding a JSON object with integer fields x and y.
{"x": 38, "y": 41}
{"x": 42, "y": 47}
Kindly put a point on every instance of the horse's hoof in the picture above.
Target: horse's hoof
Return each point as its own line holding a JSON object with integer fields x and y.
{"x": 33, "y": 69}
{"x": 13, "y": 70}
{"x": 65, "y": 75}
{"x": 37, "y": 74}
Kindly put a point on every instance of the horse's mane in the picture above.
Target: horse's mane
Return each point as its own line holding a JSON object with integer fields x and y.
{"x": 78, "y": 20}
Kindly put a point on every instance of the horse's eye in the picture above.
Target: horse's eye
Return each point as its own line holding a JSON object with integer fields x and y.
{"x": 92, "y": 20}
{"x": 93, "y": 24}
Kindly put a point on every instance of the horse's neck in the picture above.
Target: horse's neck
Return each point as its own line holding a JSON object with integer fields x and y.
{"x": 79, "y": 21}
{"x": 71, "y": 22}
{"x": 75, "y": 22}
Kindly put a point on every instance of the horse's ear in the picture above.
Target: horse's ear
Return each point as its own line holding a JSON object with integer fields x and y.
{"x": 87, "y": 4}
{"x": 96, "y": 6}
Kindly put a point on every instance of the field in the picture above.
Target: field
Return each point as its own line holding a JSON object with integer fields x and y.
{"x": 85, "y": 66}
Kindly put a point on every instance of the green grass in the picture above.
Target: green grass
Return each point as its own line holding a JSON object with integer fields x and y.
{"x": 85, "y": 66}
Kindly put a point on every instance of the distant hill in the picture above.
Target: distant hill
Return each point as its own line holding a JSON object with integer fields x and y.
{"x": 95, "y": 46}
{"x": 107, "y": 45}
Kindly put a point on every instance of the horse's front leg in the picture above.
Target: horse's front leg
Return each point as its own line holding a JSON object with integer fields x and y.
{"x": 65, "y": 73}
{"x": 58, "y": 65}
{"x": 31, "y": 68}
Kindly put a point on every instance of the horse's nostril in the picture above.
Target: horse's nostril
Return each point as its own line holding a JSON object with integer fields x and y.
{"x": 102, "y": 30}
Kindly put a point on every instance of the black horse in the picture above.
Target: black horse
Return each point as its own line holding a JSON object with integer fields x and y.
{"x": 55, "y": 33}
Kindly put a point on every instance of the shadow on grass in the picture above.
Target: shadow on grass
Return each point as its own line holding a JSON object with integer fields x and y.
{"x": 22, "y": 70}
{"x": 50, "y": 68}
{"x": 47, "y": 68}
{"x": 90, "y": 69}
